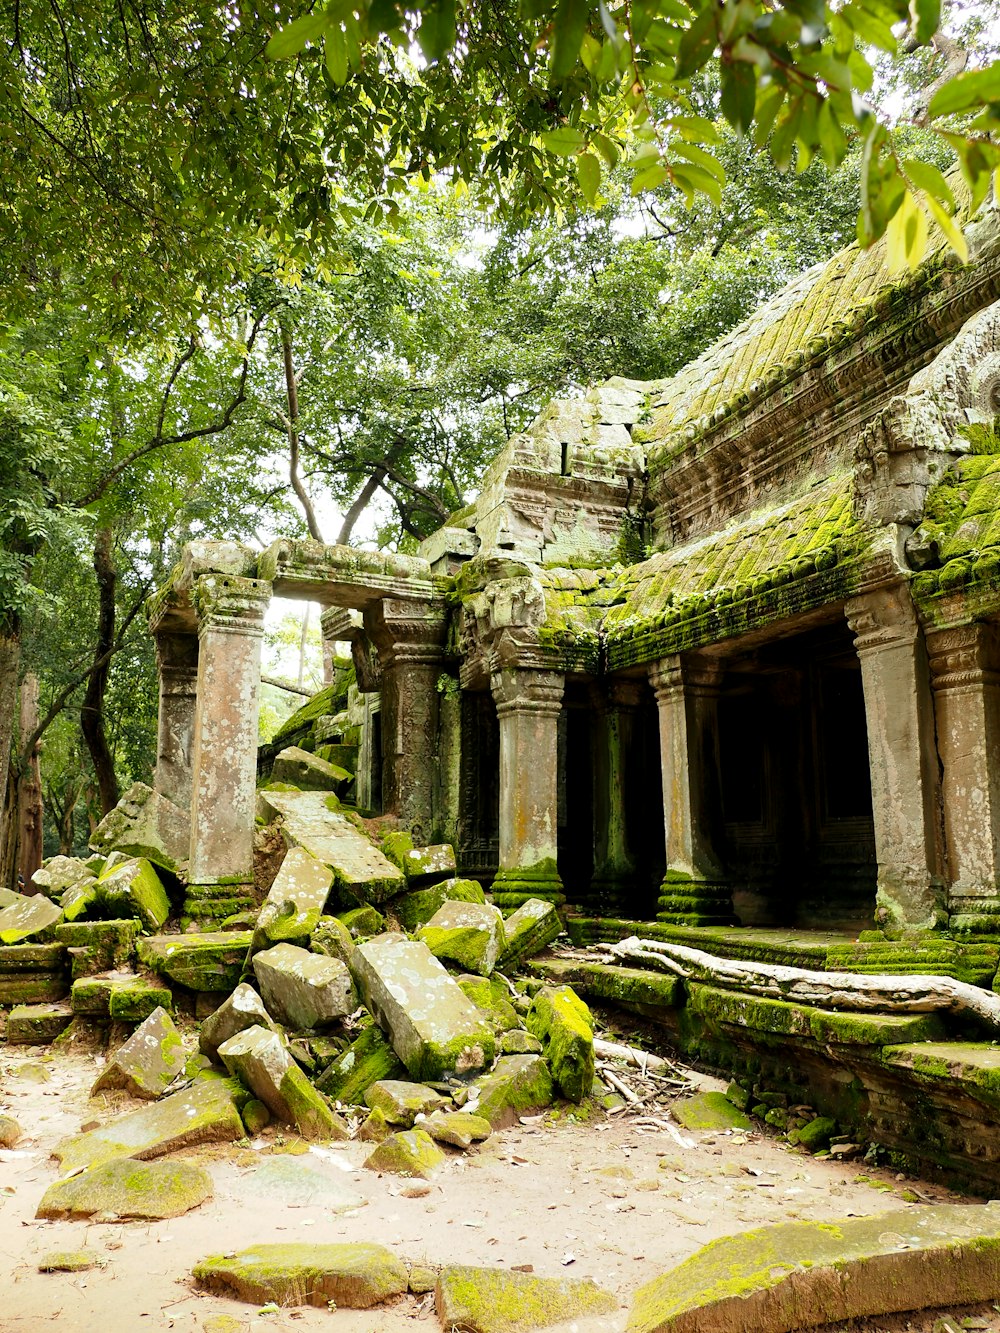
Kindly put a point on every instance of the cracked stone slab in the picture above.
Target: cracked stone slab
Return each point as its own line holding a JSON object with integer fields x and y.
{"x": 794, "y": 1275}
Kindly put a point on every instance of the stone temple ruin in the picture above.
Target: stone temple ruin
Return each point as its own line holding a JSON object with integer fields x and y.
{"x": 707, "y": 676}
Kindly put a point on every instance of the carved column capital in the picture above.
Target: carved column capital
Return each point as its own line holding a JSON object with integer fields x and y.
{"x": 522, "y": 691}
{"x": 964, "y": 656}
{"x": 685, "y": 674}
{"x": 406, "y": 631}
{"x": 226, "y": 604}
{"x": 882, "y": 619}
{"x": 624, "y": 693}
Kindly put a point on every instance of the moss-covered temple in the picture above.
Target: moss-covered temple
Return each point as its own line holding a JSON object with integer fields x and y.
{"x": 717, "y": 649}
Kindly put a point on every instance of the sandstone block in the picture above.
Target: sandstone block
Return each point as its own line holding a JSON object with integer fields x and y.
{"x": 122, "y": 995}
{"x": 37, "y": 1024}
{"x": 531, "y": 928}
{"x": 362, "y": 922}
{"x": 416, "y": 908}
{"x": 333, "y": 939}
{"x": 259, "y": 1059}
{"x": 518, "y": 1085}
{"x": 146, "y": 824}
{"x": 295, "y": 901}
{"x": 60, "y": 873}
{"x": 303, "y": 989}
{"x": 485, "y": 1300}
{"x": 562, "y": 1022}
{"x": 369, "y": 1057}
{"x": 411, "y": 1152}
{"x": 243, "y": 1009}
{"x": 461, "y": 1129}
{"x": 709, "y": 1110}
{"x": 210, "y": 961}
{"x": 492, "y": 996}
{"x": 134, "y": 890}
{"x": 308, "y": 771}
{"x": 401, "y": 1102}
{"x": 433, "y": 1027}
{"x": 470, "y": 935}
{"x": 98, "y": 946}
{"x": 353, "y": 1276}
{"x": 148, "y": 1062}
{"x": 30, "y": 918}
{"x": 129, "y": 1189}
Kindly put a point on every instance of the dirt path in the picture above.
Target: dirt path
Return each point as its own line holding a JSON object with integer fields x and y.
{"x": 604, "y": 1199}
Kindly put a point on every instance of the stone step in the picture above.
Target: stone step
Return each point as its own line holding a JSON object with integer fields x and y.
{"x": 33, "y": 973}
{"x": 121, "y": 996}
{"x": 210, "y": 961}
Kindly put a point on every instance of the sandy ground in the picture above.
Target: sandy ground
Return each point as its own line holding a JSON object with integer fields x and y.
{"x": 605, "y": 1199}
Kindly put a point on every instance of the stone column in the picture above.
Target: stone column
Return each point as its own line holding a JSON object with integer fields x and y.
{"x": 694, "y": 890}
{"x": 965, "y": 678}
{"x": 528, "y": 706}
{"x": 410, "y": 641}
{"x": 177, "y": 665}
{"x": 904, "y": 764}
{"x": 614, "y": 737}
{"x": 230, "y": 627}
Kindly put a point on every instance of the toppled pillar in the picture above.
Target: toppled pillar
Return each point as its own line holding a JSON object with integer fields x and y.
{"x": 694, "y": 890}
{"x": 528, "y": 707}
{"x": 230, "y": 627}
{"x": 965, "y": 678}
{"x": 904, "y": 763}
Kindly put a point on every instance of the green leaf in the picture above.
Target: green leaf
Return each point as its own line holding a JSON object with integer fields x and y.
{"x": 739, "y": 95}
{"x": 697, "y": 128}
{"x": 295, "y": 36}
{"x": 952, "y": 231}
{"x": 568, "y": 27}
{"x": 384, "y": 16}
{"x": 925, "y": 16}
{"x": 906, "y": 236}
{"x": 564, "y": 142}
{"x": 436, "y": 33}
{"x": 335, "y": 53}
{"x": 648, "y": 178}
{"x": 973, "y": 89}
{"x": 769, "y": 101}
{"x": 692, "y": 178}
{"x": 702, "y": 159}
{"x": 607, "y": 148}
{"x": 697, "y": 44}
{"x": 588, "y": 169}
{"x": 927, "y": 178}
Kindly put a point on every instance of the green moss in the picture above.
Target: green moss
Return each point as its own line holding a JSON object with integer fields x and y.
{"x": 410, "y": 1152}
{"x": 354, "y": 1276}
{"x": 709, "y": 1110}
{"x": 368, "y": 1059}
{"x": 130, "y": 1189}
{"x": 313, "y": 1117}
{"x": 561, "y": 1020}
{"x": 490, "y": 1301}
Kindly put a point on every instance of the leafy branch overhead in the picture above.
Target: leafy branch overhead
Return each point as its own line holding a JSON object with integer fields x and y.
{"x": 613, "y": 81}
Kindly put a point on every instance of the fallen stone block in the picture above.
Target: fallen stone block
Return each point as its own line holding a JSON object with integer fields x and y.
{"x": 60, "y": 873}
{"x": 484, "y": 1300}
{"x": 415, "y": 908}
{"x": 518, "y": 1085}
{"x": 470, "y": 935}
{"x": 206, "y": 1112}
{"x": 709, "y": 1110}
{"x": 796, "y": 1275}
{"x": 420, "y": 865}
{"x": 33, "y": 973}
{"x": 562, "y": 1022}
{"x": 239, "y": 1011}
{"x": 374, "y": 1128}
{"x": 123, "y": 996}
{"x": 353, "y": 1276}
{"x": 492, "y": 996}
{"x": 332, "y": 939}
{"x": 98, "y": 946}
{"x": 8, "y": 896}
{"x": 37, "y": 1024}
{"x": 519, "y": 1042}
{"x": 146, "y": 824}
{"x": 309, "y": 821}
{"x": 129, "y": 1189}
{"x": 212, "y": 961}
{"x": 308, "y": 771}
{"x": 362, "y": 922}
{"x": 460, "y": 1129}
{"x": 67, "y": 1261}
{"x": 340, "y": 755}
{"x": 134, "y": 890}
{"x": 32, "y": 918}
{"x": 401, "y": 1102}
{"x": 530, "y": 929}
{"x": 410, "y": 1152}
{"x": 304, "y": 990}
{"x": 259, "y": 1059}
{"x": 148, "y": 1062}
{"x": 10, "y": 1131}
{"x": 369, "y": 1057}
{"x": 434, "y": 1029}
{"x": 815, "y": 1134}
{"x": 295, "y": 901}
{"x": 80, "y": 900}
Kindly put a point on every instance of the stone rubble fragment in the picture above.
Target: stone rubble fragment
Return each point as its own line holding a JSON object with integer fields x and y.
{"x": 308, "y": 771}
{"x": 146, "y": 824}
{"x": 60, "y": 873}
{"x": 487, "y": 1300}
{"x": 37, "y": 1024}
{"x": 128, "y": 1189}
{"x": 369, "y": 1057}
{"x": 31, "y": 918}
{"x": 460, "y": 1129}
{"x": 401, "y": 1102}
{"x": 409, "y": 1152}
{"x": 295, "y": 901}
{"x": 415, "y": 908}
{"x": 517, "y": 1085}
{"x": 531, "y": 928}
{"x": 470, "y": 935}
{"x": 134, "y": 889}
{"x": 562, "y": 1022}
{"x": 259, "y": 1059}
{"x": 353, "y": 1276}
{"x": 148, "y": 1062}
{"x": 302, "y": 989}
{"x": 242, "y": 1009}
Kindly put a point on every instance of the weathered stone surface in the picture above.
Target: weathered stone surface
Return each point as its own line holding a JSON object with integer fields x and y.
{"x": 354, "y": 1277}
{"x": 60, "y": 873}
{"x": 98, "y": 946}
{"x": 29, "y": 918}
{"x": 308, "y": 771}
{"x": 37, "y": 1024}
{"x": 533, "y": 927}
{"x": 333, "y": 939}
{"x": 33, "y": 973}
{"x": 471, "y": 935}
{"x": 518, "y": 1085}
{"x": 295, "y": 901}
{"x": 204, "y": 1113}
{"x": 799, "y": 1274}
{"x": 491, "y": 995}
{"x": 562, "y": 1022}
{"x": 519, "y": 1042}
{"x": 374, "y": 1128}
{"x": 416, "y": 908}
{"x": 362, "y": 922}
{"x": 709, "y": 1110}
{"x": 80, "y": 899}
{"x": 309, "y": 822}
{"x": 433, "y": 1027}
{"x": 259, "y": 1059}
{"x": 118, "y": 995}
{"x": 243, "y": 1009}
{"x": 134, "y": 890}
{"x": 420, "y": 865}
{"x": 211, "y": 961}
{"x": 461, "y": 1129}
{"x": 816, "y": 1134}
{"x": 483, "y": 1300}
{"x": 10, "y": 1131}
{"x": 148, "y": 1062}
{"x": 411, "y": 1152}
{"x": 296, "y": 1182}
{"x": 8, "y": 896}
{"x": 129, "y": 1189}
{"x": 401, "y": 1102}
{"x": 67, "y": 1261}
{"x": 369, "y": 1057}
{"x": 145, "y": 823}
{"x": 303, "y": 989}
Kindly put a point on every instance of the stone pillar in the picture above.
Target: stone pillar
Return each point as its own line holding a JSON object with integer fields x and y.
{"x": 230, "y": 627}
{"x": 177, "y": 665}
{"x": 965, "y": 678}
{"x": 614, "y": 738}
{"x": 410, "y": 641}
{"x": 903, "y": 758}
{"x": 528, "y": 707}
{"x": 694, "y": 890}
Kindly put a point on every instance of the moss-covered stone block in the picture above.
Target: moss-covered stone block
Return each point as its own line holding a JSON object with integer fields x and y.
{"x": 309, "y": 772}
{"x": 491, "y": 995}
{"x": 209, "y": 961}
{"x": 30, "y": 918}
{"x": 415, "y": 908}
{"x": 709, "y": 1110}
{"x": 517, "y": 1085}
{"x": 134, "y": 889}
{"x": 353, "y": 1276}
{"x": 123, "y": 996}
{"x": 129, "y": 1189}
{"x": 368, "y": 1059}
{"x": 411, "y": 1152}
{"x": 484, "y": 1300}
{"x": 332, "y": 939}
{"x": 67, "y": 1261}
{"x": 816, "y": 1133}
{"x": 401, "y": 1102}
{"x": 98, "y": 946}
{"x": 531, "y": 928}
{"x": 468, "y": 935}
{"x": 148, "y": 1062}
{"x": 459, "y": 1129}
{"x": 37, "y": 1024}
{"x": 363, "y": 922}
{"x": 562, "y": 1022}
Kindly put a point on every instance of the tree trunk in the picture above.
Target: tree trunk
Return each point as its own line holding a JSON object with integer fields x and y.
{"x": 850, "y": 991}
{"x": 29, "y": 789}
{"x": 292, "y": 394}
{"x": 10, "y": 662}
{"x": 92, "y": 709}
